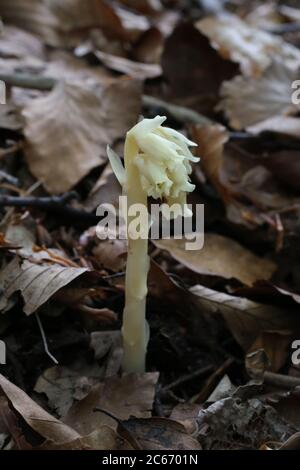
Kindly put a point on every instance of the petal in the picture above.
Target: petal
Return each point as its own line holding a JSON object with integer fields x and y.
{"x": 116, "y": 165}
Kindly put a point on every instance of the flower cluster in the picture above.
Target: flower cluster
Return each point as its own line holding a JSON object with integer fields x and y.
{"x": 163, "y": 159}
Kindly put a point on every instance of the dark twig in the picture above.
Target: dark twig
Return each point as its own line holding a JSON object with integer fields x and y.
{"x": 188, "y": 377}
{"x": 55, "y": 204}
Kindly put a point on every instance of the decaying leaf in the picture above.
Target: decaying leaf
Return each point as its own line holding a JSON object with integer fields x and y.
{"x": 17, "y": 44}
{"x": 137, "y": 70}
{"x": 129, "y": 395}
{"x": 193, "y": 69}
{"x": 64, "y": 385}
{"x": 246, "y": 319}
{"x": 283, "y": 124}
{"x": 252, "y": 48}
{"x": 161, "y": 434}
{"x": 38, "y": 419}
{"x": 220, "y": 256}
{"x": 67, "y": 131}
{"x": 37, "y": 283}
{"x": 66, "y": 23}
{"x": 234, "y": 424}
{"x": 103, "y": 438}
{"x": 248, "y": 101}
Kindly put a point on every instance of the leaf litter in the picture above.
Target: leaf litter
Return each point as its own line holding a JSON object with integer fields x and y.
{"x": 224, "y": 320}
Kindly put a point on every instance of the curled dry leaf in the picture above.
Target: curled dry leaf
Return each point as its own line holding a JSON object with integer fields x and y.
{"x": 283, "y": 124}
{"x": 38, "y": 419}
{"x": 68, "y": 130}
{"x": 252, "y": 48}
{"x": 37, "y": 283}
{"x": 129, "y": 395}
{"x": 220, "y": 256}
{"x": 247, "y": 101}
{"x": 16, "y": 44}
{"x": 245, "y": 319}
{"x": 137, "y": 70}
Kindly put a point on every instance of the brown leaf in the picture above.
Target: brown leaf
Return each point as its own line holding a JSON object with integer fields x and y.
{"x": 246, "y": 319}
{"x": 67, "y": 23}
{"x": 276, "y": 345}
{"x": 147, "y": 7}
{"x": 220, "y": 256}
{"x": 137, "y": 70}
{"x": 103, "y": 438}
{"x": 68, "y": 130}
{"x": 247, "y": 101}
{"x": 62, "y": 385}
{"x": 34, "y": 16}
{"x": 190, "y": 64}
{"x": 37, "y": 283}
{"x": 111, "y": 254}
{"x": 211, "y": 140}
{"x": 161, "y": 434}
{"x": 17, "y": 44}
{"x": 37, "y": 418}
{"x": 252, "y": 48}
{"x": 129, "y": 395}
{"x": 283, "y": 124}
{"x": 107, "y": 189}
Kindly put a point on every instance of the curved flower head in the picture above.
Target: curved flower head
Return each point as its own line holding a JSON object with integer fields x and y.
{"x": 163, "y": 160}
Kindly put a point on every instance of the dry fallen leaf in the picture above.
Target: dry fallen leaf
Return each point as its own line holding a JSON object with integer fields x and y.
{"x": 133, "y": 69}
{"x": 17, "y": 44}
{"x": 252, "y": 48}
{"x": 67, "y": 23}
{"x": 248, "y": 101}
{"x": 106, "y": 190}
{"x": 161, "y": 434}
{"x": 190, "y": 65}
{"x": 143, "y": 6}
{"x": 282, "y": 124}
{"x": 34, "y": 16}
{"x": 220, "y": 256}
{"x": 103, "y": 438}
{"x": 129, "y": 395}
{"x": 37, "y": 283}
{"x": 245, "y": 319}
{"x": 37, "y": 418}
{"x": 68, "y": 130}
{"x": 211, "y": 140}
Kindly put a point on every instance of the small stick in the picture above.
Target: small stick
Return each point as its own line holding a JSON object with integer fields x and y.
{"x": 45, "y": 340}
{"x": 188, "y": 377}
{"x": 55, "y": 204}
{"x": 280, "y": 380}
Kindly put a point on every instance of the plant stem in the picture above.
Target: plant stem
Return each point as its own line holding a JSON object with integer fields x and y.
{"x": 135, "y": 328}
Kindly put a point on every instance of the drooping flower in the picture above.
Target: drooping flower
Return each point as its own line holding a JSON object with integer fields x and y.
{"x": 163, "y": 160}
